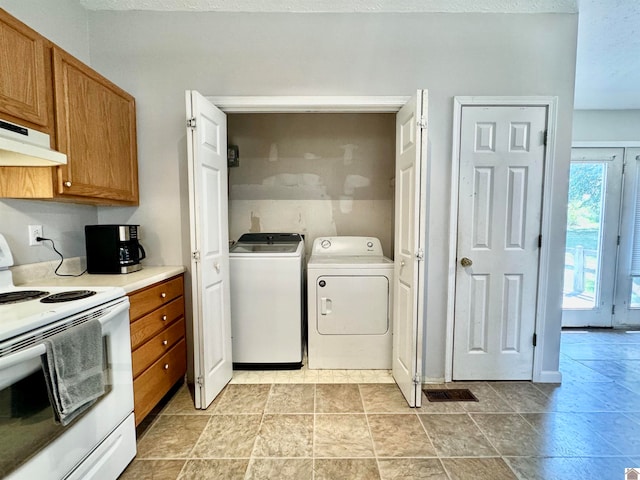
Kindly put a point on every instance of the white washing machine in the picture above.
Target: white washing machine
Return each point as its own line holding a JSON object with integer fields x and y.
{"x": 267, "y": 300}
{"x": 349, "y": 295}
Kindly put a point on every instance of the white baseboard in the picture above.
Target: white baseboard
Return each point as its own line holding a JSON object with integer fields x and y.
{"x": 428, "y": 380}
{"x": 549, "y": 376}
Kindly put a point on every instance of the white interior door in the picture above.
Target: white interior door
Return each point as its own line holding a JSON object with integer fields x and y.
{"x": 593, "y": 215}
{"x": 411, "y": 161}
{"x": 207, "y": 159}
{"x": 501, "y": 169}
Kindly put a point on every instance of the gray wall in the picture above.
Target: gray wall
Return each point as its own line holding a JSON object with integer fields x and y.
{"x": 316, "y": 174}
{"x": 606, "y": 125}
{"x": 65, "y": 23}
{"x": 156, "y": 56}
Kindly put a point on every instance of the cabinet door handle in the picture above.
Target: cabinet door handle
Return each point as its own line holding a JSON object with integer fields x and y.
{"x": 67, "y": 184}
{"x": 166, "y": 366}
{"x": 163, "y": 295}
{"x": 164, "y": 342}
{"x": 164, "y": 318}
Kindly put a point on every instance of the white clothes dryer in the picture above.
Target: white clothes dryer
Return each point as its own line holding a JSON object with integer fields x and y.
{"x": 349, "y": 298}
{"x": 267, "y": 301}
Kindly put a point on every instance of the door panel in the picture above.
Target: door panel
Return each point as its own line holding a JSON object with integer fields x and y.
{"x": 207, "y": 153}
{"x": 593, "y": 215}
{"x": 96, "y": 128}
{"x": 411, "y": 158}
{"x": 499, "y": 218}
{"x": 352, "y": 305}
{"x": 627, "y": 302}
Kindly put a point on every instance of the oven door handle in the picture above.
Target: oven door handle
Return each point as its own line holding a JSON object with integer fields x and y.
{"x": 31, "y": 353}
{"x": 114, "y": 311}
{"x": 22, "y": 356}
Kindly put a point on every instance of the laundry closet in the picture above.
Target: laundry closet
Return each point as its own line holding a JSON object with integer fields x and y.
{"x": 319, "y": 174}
{"x": 350, "y": 168}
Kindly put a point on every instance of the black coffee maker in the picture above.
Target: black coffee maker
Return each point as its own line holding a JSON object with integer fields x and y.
{"x": 113, "y": 248}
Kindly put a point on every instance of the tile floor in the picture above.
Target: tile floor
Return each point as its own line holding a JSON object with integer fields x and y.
{"x": 356, "y": 425}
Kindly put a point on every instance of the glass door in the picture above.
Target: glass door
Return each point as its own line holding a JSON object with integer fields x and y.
{"x": 627, "y": 311}
{"x": 593, "y": 216}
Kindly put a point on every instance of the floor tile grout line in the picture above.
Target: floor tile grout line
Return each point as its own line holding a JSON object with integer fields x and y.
{"x": 313, "y": 433}
{"x": 373, "y": 444}
{"x": 255, "y": 440}
{"x": 500, "y": 455}
{"x": 424, "y": 427}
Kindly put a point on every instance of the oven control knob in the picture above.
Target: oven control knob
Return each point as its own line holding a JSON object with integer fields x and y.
{"x": 325, "y": 243}
{"x": 322, "y": 283}
{"x": 370, "y": 244}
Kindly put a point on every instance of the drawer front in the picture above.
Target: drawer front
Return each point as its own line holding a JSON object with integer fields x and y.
{"x": 154, "y": 383}
{"x": 156, "y": 347}
{"x": 151, "y": 324}
{"x": 144, "y": 301}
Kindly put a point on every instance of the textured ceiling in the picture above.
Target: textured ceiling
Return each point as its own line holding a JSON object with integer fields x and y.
{"x": 608, "y": 57}
{"x": 339, "y": 6}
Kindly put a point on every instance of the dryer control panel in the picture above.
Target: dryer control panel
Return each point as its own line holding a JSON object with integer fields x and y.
{"x": 347, "y": 245}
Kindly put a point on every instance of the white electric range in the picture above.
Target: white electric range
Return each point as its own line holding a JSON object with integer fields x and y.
{"x": 98, "y": 444}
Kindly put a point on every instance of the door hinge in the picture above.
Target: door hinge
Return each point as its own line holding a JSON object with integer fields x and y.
{"x": 545, "y": 137}
{"x": 613, "y": 309}
{"x": 420, "y": 254}
{"x": 624, "y": 165}
{"x": 422, "y": 123}
{"x": 196, "y": 255}
{"x": 618, "y": 240}
{"x": 539, "y": 241}
{"x": 416, "y": 379}
{"x": 535, "y": 339}
{"x": 200, "y": 381}
{"x": 191, "y": 123}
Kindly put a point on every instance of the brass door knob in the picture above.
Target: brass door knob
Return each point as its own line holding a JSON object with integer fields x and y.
{"x": 466, "y": 262}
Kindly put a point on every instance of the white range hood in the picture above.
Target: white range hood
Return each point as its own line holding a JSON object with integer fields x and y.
{"x": 25, "y": 147}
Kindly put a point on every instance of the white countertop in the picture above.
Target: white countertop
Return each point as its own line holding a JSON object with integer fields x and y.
{"x": 130, "y": 282}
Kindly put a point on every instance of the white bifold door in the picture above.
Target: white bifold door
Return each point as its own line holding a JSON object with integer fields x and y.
{"x": 409, "y": 254}
{"x": 207, "y": 159}
{"x": 501, "y": 166}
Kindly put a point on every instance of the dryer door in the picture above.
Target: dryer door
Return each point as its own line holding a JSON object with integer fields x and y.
{"x": 352, "y": 305}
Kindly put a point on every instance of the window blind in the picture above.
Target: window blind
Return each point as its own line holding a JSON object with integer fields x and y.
{"x": 635, "y": 248}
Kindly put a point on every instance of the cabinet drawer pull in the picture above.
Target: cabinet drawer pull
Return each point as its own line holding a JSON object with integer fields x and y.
{"x": 166, "y": 366}
{"x": 67, "y": 184}
{"x": 164, "y": 342}
{"x": 164, "y": 318}
{"x": 163, "y": 295}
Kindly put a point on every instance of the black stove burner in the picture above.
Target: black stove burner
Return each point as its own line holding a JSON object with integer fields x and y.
{"x": 21, "y": 296}
{"x": 67, "y": 296}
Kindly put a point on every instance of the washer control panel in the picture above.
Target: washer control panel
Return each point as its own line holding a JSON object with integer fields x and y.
{"x": 347, "y": 245}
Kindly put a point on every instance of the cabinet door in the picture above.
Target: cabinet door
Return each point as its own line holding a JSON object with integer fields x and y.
{"x": 95, "y": 121}
{"x": 23, "y": 76}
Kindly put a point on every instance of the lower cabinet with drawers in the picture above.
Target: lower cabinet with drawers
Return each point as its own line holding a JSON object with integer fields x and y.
{"x": 158, "y": 346}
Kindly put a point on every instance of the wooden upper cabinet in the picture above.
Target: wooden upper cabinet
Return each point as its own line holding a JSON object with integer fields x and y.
{"x": 86, "y": 116}
{"x": 23, "y": 75}
{"x": 96, "y": 127}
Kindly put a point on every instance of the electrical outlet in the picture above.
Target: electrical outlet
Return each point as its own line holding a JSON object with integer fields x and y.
{"x": 35, "y": 231}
